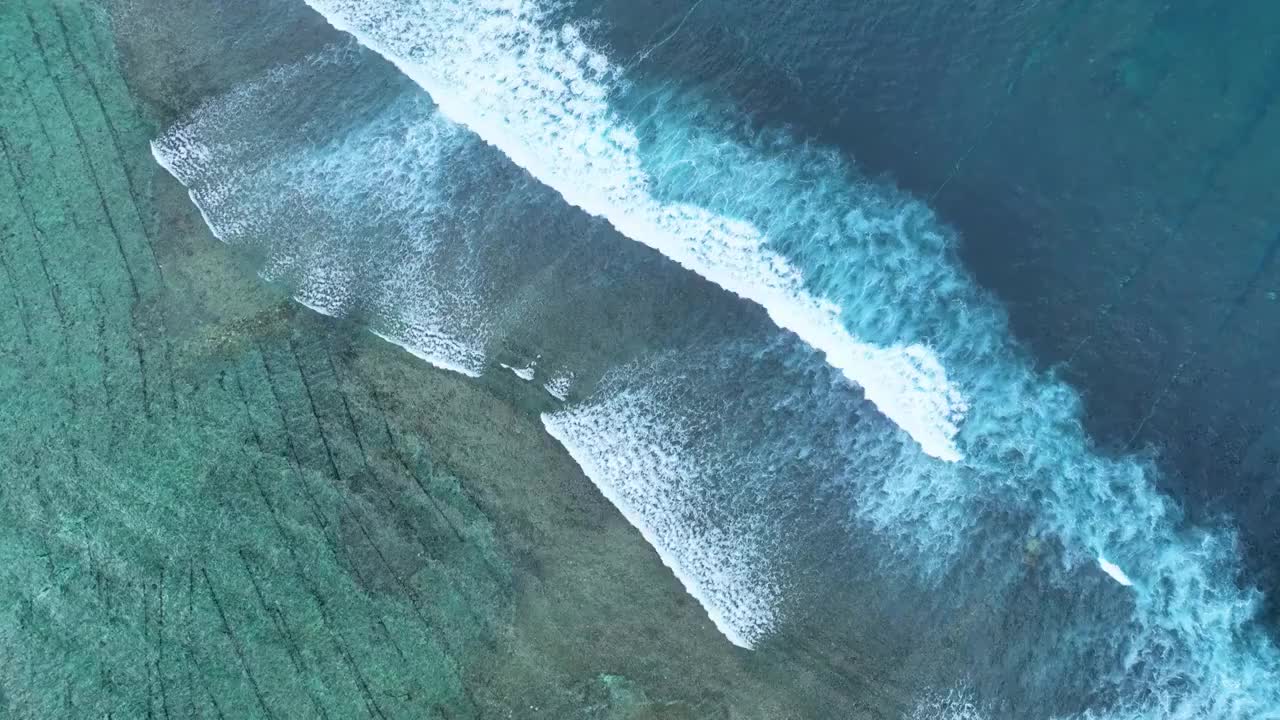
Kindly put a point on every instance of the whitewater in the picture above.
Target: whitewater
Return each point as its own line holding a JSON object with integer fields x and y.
{"x": 857, "y": 271}
{"x": 542, "y": 98}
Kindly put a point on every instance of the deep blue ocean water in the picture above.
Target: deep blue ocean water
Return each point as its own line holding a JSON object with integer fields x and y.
{"x": 1107, "y": 168}
{"x": 953, "y": 323}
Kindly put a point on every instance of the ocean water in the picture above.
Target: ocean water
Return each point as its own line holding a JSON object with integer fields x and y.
{"x": 820, "y": 301}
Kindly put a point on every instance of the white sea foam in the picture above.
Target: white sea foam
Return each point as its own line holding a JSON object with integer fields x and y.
{"x": 434, "y": 357}
{"x": 308, "y": 207}
{"x": 540, "y": 94}
{"x": 558, "y": 387}
{"x": 524, "y": 373}
{"x": 956, "y": 704}
{"x": 648, "y": 465}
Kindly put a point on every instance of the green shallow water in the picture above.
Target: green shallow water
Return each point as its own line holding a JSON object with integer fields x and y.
{"x": 219, "y": 504}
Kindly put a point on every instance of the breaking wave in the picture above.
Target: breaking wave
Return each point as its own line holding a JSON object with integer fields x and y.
{"x": 541, "y": 94}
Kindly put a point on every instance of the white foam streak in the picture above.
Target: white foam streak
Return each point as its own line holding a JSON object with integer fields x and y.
{"x": 639, "y": 462}
{"x": 957, "y": 704}
{"x": 1114, "y": 571}
{"x": 307, "y": 207}
{"x": 558, "y": 387}
{"x": 540, "y": 96}
{"x": 524, "y": 373}
{"x": 165, "y": 161}
{"x": 442, "y": 360}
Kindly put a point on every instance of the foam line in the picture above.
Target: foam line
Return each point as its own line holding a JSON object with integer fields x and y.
{"x": 1114, "y": 572}
{"x": 635, "y": 458}
{"x": 303, "y": 205}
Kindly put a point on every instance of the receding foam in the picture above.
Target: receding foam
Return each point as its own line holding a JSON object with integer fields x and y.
{"x": 524, "y": 373}
{"x": 955, "y": 704}
{"x": 558, "y": 387}
{"x": 306, "y": 206}
{"x": 641, "y": 462}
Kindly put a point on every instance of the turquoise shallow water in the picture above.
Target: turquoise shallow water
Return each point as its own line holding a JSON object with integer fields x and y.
{"x": 842, "y": 473}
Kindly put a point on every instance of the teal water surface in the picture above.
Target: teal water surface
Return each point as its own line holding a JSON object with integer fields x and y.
{"x": 889, "y": 360}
